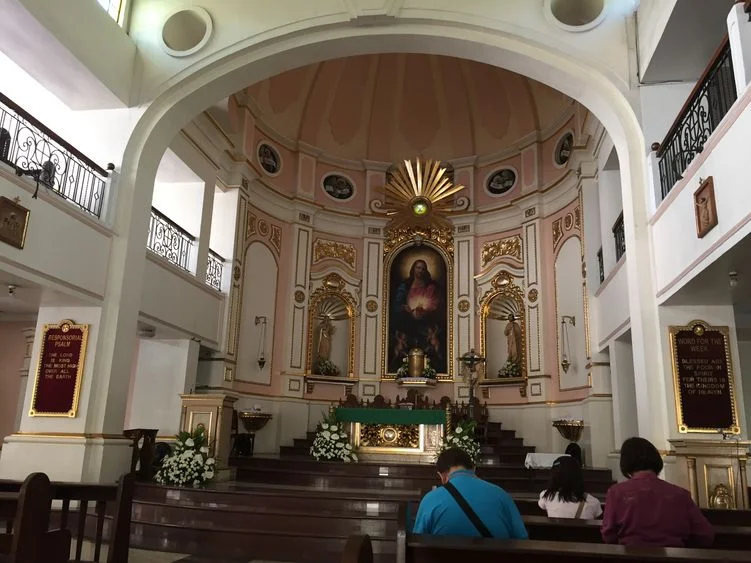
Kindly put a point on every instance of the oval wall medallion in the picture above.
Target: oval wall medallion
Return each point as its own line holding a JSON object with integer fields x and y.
{"x": 501, "y": 181}
{"x": 563, "y": 149}
{"x": 338, "y": 186}
{"x": 463, "y": 306}
{"x": 236, "y": 273}
{"x": 299, "y": 296}
{"x": 371, "y": 306}
{"x": 532, "y": 295}
{"x": 269, "y": 159}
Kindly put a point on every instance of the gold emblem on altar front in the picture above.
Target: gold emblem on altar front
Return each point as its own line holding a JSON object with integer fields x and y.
{"x": 510, "y": 246}
{"x": 371, "y": 306}
{"x": 334, "y": 250}
{"x": 389, "y": 436}
{"x": 463, "y": 306}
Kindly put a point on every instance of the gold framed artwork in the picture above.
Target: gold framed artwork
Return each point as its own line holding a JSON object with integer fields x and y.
{"x": 705, "y": 208}
{"x": 703, "y": 378}
{"x": 57, "y": 383}
{"x": 14, "y": 220}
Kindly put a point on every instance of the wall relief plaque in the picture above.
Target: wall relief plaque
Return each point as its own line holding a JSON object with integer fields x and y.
{"x": 14, "y": 219}
{"x": 703, "y": 378}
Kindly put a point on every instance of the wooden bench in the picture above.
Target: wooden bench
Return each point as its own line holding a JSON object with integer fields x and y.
{"x": 436, "y": 549}
{"x": 110, "y": 519}
{"x": 27, "y": 516}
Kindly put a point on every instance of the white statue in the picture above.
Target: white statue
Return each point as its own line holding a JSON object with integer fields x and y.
{"x": 325, "y": 330}
{"x": 513, "y": 334}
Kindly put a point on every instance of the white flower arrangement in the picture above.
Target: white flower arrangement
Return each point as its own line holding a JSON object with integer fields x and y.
{"x": 189, "y": 463}
{"x": 331, "y": 442}
{"x": 463, "y": 438}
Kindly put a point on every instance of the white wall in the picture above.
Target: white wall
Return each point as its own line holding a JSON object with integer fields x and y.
{"x": 611, "y": 206}
{"x": 678, "y": 253}
{"x": 660, "y": 104}
{"x": 182, "y": 202}
{"x": 180, "y": 301}
{"x": 259, "y": 299}
{"x": 611, "y": 307}
{"x": 164, "y": 370}
{"x": 223, "y": 223}
{"x": 652, "y": 16}
{"x": 569, "y": 295}
{"x": 624, "y": 391}
{"x": 60, "y": 245}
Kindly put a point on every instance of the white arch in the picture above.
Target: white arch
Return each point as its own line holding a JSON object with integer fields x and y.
{"x": 185, "y": 99}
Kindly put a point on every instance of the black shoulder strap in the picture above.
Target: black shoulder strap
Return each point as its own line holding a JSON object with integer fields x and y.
{"x": 471, "y": 514}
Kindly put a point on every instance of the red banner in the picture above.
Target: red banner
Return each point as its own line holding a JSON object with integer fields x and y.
{"x": 60, "y": 370}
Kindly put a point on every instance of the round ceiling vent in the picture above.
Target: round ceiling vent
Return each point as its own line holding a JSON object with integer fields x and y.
{"x": 186, "y": 31}
{"x": 575, "y": 15}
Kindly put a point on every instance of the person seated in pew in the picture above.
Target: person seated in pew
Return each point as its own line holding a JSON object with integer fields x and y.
{"x": 466, "y": 505}
{"x": 565, "y": 496}
{"x": 647, "y": 511}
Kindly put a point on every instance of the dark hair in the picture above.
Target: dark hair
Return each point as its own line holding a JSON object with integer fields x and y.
{"x": 427, "y": 278}
{"x": 638, "y": 454}
{"x": 453, "y": 457}
{"x": 566, "y": 481}
{"x": 575, "y": 451}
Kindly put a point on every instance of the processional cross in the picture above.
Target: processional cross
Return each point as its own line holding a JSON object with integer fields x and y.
{"x": 471, "y": 360}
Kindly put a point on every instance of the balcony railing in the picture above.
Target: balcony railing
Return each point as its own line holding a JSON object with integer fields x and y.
{"x": 214, "y": 270}
{"x": 169, "y": 240}
{"x": 35, "y": 150}
{"x": 601, "y": 265}
{"x": 619, "y": 234}
{"x": 705, "y": 107}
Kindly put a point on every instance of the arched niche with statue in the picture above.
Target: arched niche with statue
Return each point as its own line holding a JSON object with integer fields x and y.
{"x": 503, "y": 331}
{"x": 332, "y": 309}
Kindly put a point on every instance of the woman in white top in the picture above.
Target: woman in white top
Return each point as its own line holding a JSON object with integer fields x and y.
{"x": 565, "y": 496}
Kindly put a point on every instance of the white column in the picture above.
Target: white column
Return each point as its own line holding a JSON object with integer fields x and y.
{"x": 204, "y": 237}
{"x": 28, "y": 334}
{"x": 535, "y": 297}
{"x": 91, "y": 447}
{"x": 592, "y": 228}
{"x": 739, "y": 33}
{"x": 372, "y": 305}
{"x": 624, "y": 396}
{"x": 302, "y": 240}
{"x": 464, "y": 291}
{"x": 165, "y": 369}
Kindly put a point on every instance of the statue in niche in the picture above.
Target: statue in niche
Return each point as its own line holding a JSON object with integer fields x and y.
{"x": 325, "y": 330}
{"x": 513, "y": 334}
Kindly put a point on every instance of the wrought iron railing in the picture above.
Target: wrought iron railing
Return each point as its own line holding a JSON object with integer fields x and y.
{"x": 705, "y": 107}
{"x": 619, "y": 234}
{"x": 214, "y": 270}
{"x": 601, "y": 265}
{"x": 169, "y": 240}
{"x": 35, "y": 150}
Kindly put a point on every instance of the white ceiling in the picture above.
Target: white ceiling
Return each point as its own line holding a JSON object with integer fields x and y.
{"x": 692, "y": 35}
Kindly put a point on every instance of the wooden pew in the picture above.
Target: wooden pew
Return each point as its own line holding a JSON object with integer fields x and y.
{"x": 29, "y": 511}
{"x": 588, "y": 531}
{"x": 119, "y": 499}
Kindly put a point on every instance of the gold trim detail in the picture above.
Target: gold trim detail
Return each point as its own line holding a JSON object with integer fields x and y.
{"x": 64, "y": 326}
{"x": 557, "y": 232}
{"x": 700, "y": 328}
{"x": 371, "y": 306}
{"x": 332, "y": 287}
{"x": 504, "y": 286}
{"x": 509, "y": 246}
{"x": 334, "y": 250}
{"x": 532, "y": 295}
{"x": 390, "y": 436}
{"x": 463, "y": 305}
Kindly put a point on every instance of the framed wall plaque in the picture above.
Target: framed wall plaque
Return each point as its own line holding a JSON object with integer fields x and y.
{"x": 703, "y": 378}
{"x": 60, "y": 369}
{"x": 705, "y": 208}
{"x": 14, "y": 219}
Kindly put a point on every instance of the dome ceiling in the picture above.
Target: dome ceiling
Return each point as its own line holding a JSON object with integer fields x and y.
{"x": 394, "y": 106}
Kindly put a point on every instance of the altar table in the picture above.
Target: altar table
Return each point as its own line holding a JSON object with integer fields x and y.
{"x": 394, "y": 434}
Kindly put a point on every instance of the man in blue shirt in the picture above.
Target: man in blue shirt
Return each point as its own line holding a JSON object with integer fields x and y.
{"x": 440, "y": 514}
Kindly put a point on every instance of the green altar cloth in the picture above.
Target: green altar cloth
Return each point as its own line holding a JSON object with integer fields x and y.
{"x": 391, "y": 416}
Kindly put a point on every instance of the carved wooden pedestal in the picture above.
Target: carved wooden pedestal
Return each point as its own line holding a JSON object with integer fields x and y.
{"x": 714, "y": 472}
{"x": 214, "y": 412}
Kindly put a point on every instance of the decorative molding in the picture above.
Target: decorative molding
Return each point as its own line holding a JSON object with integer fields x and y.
{"x": 299, "y": 296}
{"x": 463, "y": 305}
{"x": 509, "y": 246}
{"x": 344, "y": 252}
{"x": 371, "y": 306}
{"x": 532, "y": 295}
{"x": 261, "y": 228}
{"x": 442, "y": 237}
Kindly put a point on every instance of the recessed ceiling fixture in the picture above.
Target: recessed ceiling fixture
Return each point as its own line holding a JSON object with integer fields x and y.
{"x": 575, "y": 15}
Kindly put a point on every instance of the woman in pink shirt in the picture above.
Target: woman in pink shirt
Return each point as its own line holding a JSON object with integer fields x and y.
{"x": 645, "y": 510}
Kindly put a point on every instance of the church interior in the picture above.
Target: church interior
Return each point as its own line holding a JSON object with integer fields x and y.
{"x": 262, "y": 265}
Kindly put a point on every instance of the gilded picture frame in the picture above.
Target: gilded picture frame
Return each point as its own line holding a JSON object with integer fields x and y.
{"x": 14, "y": 222}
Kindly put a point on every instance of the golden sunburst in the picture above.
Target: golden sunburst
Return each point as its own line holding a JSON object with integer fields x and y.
{"x": 419, "y": 192}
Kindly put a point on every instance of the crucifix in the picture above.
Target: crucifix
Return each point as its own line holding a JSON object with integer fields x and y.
{"x": 471, "y": 360}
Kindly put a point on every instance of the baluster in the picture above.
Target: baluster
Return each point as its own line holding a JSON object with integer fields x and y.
{"x": 83, "y": 507}
{"x": 101, "y": 507}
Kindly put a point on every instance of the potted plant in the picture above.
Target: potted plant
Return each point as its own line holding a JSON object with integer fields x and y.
{"x": 189, "y": 464}
{"x": 332, "y": 442}
{"x": 463, "y": 438}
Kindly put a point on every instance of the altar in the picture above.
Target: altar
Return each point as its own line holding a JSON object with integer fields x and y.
{"x": 395, "y": 434}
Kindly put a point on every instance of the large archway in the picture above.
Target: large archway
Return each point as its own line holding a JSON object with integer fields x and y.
{"x": 182, "y": 101}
